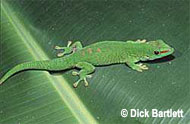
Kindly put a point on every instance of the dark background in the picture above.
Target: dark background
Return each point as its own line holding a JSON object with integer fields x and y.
{"x": 30, "y": 97}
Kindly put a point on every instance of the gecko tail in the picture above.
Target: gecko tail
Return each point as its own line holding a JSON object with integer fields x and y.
{"x": 46, "y": 65}
{"x": 18, "y": 68}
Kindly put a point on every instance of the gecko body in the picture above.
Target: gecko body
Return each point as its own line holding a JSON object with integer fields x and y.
{"x": 100, "y": 53}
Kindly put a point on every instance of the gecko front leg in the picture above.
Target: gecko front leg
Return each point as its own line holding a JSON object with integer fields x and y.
{"x": 69, "y": 49}
{"x": 138, "y": 67}
{"x": 141, "y": 41}
{"x": 86, "y": 69}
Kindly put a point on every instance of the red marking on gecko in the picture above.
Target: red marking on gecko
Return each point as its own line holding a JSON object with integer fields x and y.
{"x": 74, "y": 49}
{"x": 83, "y": 53}
{"x": 98, "y": 50}
{"x": 164, "y": 51}
{"x": 89, "y": 50}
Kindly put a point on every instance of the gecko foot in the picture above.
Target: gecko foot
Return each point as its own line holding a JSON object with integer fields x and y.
{"x": 77, "y": 83}
{"x": 141, "y": 41}
{"x": 67, "y": 49}
{"x": 81, "y": 79}
{"x": 144, "y": 67}
{"x": 138, "y": 67}
{"x": 141, "y": 67}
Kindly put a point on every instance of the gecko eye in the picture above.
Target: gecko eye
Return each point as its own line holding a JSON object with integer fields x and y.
{"x": 156, "y": 52}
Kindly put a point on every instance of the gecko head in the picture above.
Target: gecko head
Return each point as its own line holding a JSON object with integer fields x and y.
{"x": 157, "y": 49}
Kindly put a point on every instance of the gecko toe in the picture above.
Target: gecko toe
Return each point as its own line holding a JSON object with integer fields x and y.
{"x": 143, "y": 41}
{"x": 89, "y": 76}
{"x": 74, "y": 73}
{"x": 69, "y": 43}
{"x": 139, "y": 70}
{"x": 58, "y": 48}
{"x": 75, "y": 84}
{"x": 85, "y": 83}
{"x": 60, "y": 54}
{"x": 144, "y": 67}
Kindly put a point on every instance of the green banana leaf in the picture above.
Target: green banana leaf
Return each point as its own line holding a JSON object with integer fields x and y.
{"x": 30, "y": 29}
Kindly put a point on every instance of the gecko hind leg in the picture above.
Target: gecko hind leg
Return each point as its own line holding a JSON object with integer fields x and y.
{"x": 86, "y": 69}
{"x": 69, "y": 49}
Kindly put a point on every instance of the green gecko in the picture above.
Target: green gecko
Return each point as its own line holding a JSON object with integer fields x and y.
{"x": 100, "y": 53}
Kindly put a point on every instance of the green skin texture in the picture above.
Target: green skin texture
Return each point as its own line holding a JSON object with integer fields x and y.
{"x": 100, "y": 53}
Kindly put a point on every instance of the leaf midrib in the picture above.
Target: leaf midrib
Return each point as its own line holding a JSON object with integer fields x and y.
{"x": 66, "y": 92}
